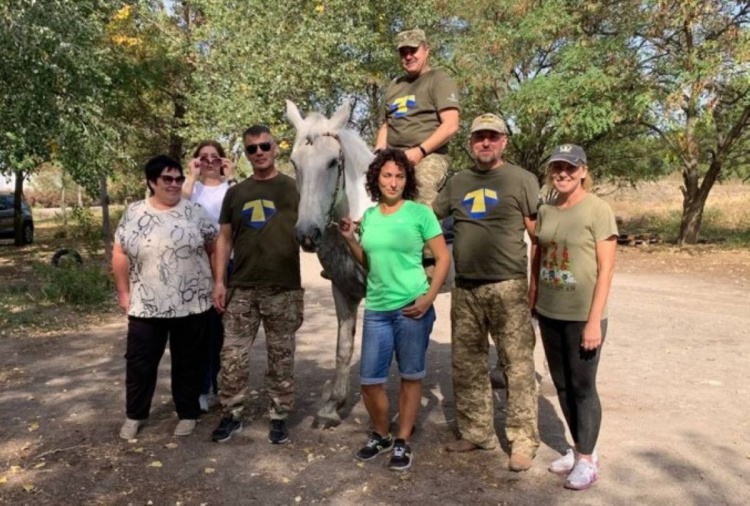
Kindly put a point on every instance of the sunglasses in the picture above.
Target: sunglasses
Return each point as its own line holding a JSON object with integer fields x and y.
{"x": 213, "y": 160}
{"x": 170, "y": 179}
{"x": 253, "y": 148}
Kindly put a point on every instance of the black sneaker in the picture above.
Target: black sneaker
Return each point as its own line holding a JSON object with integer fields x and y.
{"x": 228, "y": 427}
{"x": 375, "y": 446}
{"x": 401, "y": 458}
{"x": 278, "y": 433}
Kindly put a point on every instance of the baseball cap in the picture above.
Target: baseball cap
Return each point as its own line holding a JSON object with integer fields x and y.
{"x": 489, "y": 121}
{"x": 410, "y": 38}
{"x": 570, "y": 153}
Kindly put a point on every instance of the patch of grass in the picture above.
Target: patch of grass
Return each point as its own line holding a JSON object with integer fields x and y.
{"x": 74, "y": 284}
{"x": 656, "y": 208}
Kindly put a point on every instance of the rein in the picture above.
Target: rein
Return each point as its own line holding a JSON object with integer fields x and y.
{"x": 340, "y": 180}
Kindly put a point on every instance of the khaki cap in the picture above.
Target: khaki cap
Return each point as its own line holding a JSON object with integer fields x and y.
{"x": 489, "y": 122}
{"x": 411, "y": 38}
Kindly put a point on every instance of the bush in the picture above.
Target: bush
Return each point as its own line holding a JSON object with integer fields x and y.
{"x": 74, "y": 284}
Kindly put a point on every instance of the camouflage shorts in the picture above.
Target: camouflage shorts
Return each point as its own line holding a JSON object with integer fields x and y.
{"x": 431, "y": 173}
{"x": 281, "y": 313}
{"x": 501, "y": 310}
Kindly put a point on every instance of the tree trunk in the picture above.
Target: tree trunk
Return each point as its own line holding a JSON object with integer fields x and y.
{"x": 17, "y": 212}
{"x": 694, "y": 199}
{"x": 106, "y": 227}
{"x": 175, "y": 139}
{"x": 690, "y": 222}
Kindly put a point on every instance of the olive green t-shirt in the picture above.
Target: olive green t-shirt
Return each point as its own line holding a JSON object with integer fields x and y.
{"x": 263, "y": 215}
{"x": 489, "y": 210}
{"x": 412, "y": 107}
{"x": 568, "y": 271}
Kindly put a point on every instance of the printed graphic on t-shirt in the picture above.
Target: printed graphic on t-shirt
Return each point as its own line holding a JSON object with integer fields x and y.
{"x": 400, "y": 106}
{"x": 257, "y": 213}
{"x": 555, "y": 272}
{"x": 480, "y": 202}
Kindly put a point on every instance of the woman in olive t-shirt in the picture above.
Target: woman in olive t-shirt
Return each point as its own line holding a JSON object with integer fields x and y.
{"x": 571, "y": 277}
{"x": 398, "y": 306}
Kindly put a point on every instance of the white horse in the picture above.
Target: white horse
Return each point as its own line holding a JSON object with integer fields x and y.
{"x": 330, "y": 164}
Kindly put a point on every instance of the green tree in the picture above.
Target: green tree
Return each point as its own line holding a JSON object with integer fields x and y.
{"x": 693, "y": 59}
{"x": 53, "y": 87}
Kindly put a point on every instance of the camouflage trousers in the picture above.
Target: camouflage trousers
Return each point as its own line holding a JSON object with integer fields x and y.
{"x": 500, "y": 309}
{"x": 281, "y": 312}
{"x": 430, "y": 174}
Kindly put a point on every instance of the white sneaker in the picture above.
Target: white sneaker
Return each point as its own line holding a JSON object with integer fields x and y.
{"x": 584, "y": 475}
{"x": 564, "y": 464}
{"x": 567, "y": 462}
{"x": 130, "y": 428}
{"x": 184, "y": 427}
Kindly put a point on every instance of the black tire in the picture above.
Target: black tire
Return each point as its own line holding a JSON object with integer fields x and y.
{"x": 64, "y": 256}
{"x": 28, "y": 233}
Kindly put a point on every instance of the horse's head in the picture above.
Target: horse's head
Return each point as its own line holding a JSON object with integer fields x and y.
{"x": 316, "y": 157}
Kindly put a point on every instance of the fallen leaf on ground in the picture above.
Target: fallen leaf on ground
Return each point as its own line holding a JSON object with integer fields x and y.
{"x": 32, "y": 427}
{"x": 15, "y": 469}
{"x": 138, "y": 450}
{"x": 285, "y": 479}
{"x": 3, "y": 479}
{"x": 361, "y": 465}
{"x": 209, "y": 470}
{"x": 171, "y": 445}
{"x": 310, "y": 457}
{"x": 28, "y": 487}
{"x": 298, "y": 498}
{"x": 40, "y": 465}
{"x": 155, "y": 463}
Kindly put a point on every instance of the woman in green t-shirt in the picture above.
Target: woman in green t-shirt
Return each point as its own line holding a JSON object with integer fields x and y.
{"x": 570, "y": 283}
{"x": 398, "y": 305}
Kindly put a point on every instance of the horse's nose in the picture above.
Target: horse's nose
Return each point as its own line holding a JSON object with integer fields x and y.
{"x": 309, "y": 238}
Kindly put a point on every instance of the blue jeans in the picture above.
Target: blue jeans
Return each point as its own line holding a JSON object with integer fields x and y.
{"x": 387, "y": 331}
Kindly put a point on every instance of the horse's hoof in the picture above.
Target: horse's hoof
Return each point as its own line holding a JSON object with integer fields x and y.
{"x": 325, "y": 422}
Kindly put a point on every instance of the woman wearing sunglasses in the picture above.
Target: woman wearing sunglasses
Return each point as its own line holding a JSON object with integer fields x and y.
{"x": 209, "y": 177}
{"x": 572, "y": 275}
{"x": 163, "y": 276}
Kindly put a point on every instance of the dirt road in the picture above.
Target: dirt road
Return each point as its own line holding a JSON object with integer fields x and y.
{"x": 674, "y": 384}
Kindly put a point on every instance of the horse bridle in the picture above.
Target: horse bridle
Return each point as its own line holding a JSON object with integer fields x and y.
{"x": 340, "y": 178}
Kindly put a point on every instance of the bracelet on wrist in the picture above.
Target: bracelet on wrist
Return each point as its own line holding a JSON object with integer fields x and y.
{"x": 424, "y": 153}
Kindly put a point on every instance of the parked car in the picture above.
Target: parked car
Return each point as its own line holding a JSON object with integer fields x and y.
{"x": 6, "y": 219}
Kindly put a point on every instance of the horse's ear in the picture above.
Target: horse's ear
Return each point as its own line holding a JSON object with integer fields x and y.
{"x": 293, "y": 115}
{"x": 341, "y": 117}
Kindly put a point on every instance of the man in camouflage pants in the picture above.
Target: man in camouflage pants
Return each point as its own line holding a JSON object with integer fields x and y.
{"x": 257, "y": 220}
{"x": 421, "y": 115}
{"x": 493, "y": 204}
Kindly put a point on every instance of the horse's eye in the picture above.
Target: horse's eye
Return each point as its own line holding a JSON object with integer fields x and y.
{"x": 333, "y": 164}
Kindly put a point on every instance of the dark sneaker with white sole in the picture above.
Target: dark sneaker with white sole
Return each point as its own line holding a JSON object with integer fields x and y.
{"x": 278, "y": 434}
{"x": 376, "y": 445}
{"x": 402, "y": 456}
{"x": 228, "y": 427}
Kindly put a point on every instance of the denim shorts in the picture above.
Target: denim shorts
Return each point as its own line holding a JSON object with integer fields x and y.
{"x": 386, "y": 332}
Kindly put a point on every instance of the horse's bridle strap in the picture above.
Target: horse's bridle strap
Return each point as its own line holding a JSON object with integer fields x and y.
{"x": 340, "y": 179}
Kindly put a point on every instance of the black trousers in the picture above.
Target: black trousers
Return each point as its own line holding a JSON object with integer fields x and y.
{"x": 573, "y": 372}
{"x": 213, "y": 358}
{"x": 188, "y": 346}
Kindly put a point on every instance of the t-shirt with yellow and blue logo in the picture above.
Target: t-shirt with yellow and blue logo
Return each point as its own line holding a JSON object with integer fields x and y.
{"x": 489, "y": 210}
{"x": 263, "y": 215}
{"x": 412, "y": 107}
{"x": 393, "y": 244}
